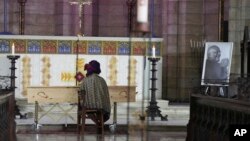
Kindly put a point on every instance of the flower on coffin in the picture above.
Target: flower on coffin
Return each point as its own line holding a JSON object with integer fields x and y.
{"x": 79, "y": 76}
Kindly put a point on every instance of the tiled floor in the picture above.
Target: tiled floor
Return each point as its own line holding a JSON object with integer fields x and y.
{"x": 150, "y": 136}
{"x": 159, "y": 131}
{"x": 172, "y": 130}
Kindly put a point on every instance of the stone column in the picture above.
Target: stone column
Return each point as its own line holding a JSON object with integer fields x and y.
{"x": 131, "y": 6}
{"x": 95, "y": 18}
{"x": 221, "y": 20}
{"x": 182, "y": 22}
{"x": 237, "y": 19}
{"x": 21, "y": 16}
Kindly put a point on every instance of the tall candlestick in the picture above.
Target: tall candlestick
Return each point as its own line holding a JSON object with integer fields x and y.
{"x": 153, "y": 51}
{"x": 13, "y": 49}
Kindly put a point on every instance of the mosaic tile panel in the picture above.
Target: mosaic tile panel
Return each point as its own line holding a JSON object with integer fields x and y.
{"x": 34, "y": 46}
{"x": 4, "y": 46}
{"x": 139, "y": 48}
{"x": 109, "y": 47}
{"x": 84, "y": 47}
{"x": 49, "y": 46}
{"x": 94, "y": 47}
{"x": 123, "y": 48}
{"x": 64, "y": 47}
{"x": 20, "y": 46}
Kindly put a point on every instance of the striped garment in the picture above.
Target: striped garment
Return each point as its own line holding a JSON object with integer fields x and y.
{"x": 97, "y": 94}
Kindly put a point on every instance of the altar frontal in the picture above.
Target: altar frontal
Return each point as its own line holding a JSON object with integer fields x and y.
{"x": 63, "y": 94}
{"x": 59, "y": 95}
{"x": 55, "y": 60}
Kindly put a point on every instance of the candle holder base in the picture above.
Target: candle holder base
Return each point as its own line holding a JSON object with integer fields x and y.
{"x": 142, "y": 117}
{"x": 153, "y": 111}
{"x": 13, "y": 59}
{"x": 142, "y": 27}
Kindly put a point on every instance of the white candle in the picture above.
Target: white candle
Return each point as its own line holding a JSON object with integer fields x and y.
{"x": 13, "y": 49}
{"x": 142, "y": 11}
{"x": 153, "y": 51}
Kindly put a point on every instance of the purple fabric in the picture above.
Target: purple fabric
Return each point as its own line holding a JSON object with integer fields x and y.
{"x": 92, "y": 67}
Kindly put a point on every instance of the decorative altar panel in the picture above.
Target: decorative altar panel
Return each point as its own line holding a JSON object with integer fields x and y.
{"x": 4, "y": 65}
{"x": 52, "y": 60}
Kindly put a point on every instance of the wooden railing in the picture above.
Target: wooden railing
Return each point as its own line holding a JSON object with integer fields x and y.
{"x": 211, "y": 117}
{"x": 7, "y": 119}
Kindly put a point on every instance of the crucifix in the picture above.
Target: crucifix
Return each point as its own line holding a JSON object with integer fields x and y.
{"x": 80, "y": 3}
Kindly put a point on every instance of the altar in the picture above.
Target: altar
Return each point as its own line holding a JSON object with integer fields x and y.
{"x": 54, "y": 60}
{"x": 55, "y": 96}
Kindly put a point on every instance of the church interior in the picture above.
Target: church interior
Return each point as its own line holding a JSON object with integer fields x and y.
{"x": 175, "y": 69}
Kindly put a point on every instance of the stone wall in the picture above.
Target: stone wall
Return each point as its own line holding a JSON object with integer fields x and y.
{"x": 187, "y": 24}
{"x": 182, "y": 22}
{"x": 59, "y": 17}
{"x": 184, "y": 25}
{"x": 238, "y": 19}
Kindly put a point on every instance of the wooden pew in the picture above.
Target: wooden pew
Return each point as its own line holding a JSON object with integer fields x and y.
{"x": 69, "y": 94}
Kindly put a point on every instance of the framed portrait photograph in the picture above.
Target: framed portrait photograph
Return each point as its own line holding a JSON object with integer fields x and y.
{"x": 217, "y": 63}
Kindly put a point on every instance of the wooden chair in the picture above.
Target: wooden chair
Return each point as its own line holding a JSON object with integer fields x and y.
{"x": 83, "y": 113}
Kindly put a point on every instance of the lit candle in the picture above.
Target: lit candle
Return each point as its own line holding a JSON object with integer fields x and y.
{"x": 142, "y": 11}
{"x": 153, "y": 51}
{"x": 13, "y": 49}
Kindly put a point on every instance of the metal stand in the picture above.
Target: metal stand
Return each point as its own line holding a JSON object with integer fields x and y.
{"x": 13, "y": 59}
{"x": 113, "y": 126}
{"x": 153, "y": 110}
{"x": 220, "y": 92}
{"x": 36, "y": 126}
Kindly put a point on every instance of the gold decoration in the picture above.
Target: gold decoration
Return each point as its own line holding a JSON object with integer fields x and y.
{"x": 80, "y": 65}
{"x": 67, "y": 76}
{"x": 113, "y": 71}
{"x": 46, "y": 71}
{"x": 132, "y": 75}
{"x": 26, "y": 74}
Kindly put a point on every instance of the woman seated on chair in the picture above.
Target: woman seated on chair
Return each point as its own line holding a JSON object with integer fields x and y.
{"x": 96, "y": 91}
